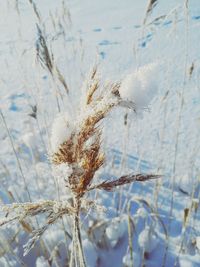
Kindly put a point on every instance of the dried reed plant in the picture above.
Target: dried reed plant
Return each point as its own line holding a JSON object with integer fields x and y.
{"x": 46, "y": 58}
{"x": 82, "y": 153}
{"x": 150, "y": 6}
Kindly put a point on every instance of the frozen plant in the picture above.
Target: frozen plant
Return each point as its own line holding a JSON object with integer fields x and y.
{"x": 139, "y": 88}
{"x": 147, "y": 240}
{"x": 115, "y": 231}
{"x": 78, "y": 155}
{"x": 61, "y": 130}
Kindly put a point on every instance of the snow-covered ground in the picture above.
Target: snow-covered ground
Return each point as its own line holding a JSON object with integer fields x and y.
{"x": 154, "y": 223}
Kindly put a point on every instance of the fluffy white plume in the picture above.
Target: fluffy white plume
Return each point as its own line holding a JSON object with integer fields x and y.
{"x": 140, "y": 87}
{"x": 62, "y": 129}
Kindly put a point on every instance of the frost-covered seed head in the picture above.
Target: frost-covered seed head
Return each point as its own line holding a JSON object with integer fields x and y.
{"x": 140, "y": 87}
{"x": 62, "y": 171}
{"x": 62, "y": 129}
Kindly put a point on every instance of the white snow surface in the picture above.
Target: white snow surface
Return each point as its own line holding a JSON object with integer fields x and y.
{"x": 41, "y": 262}
{"x": 186, "y": 184}
{"x": 90, "y": 253}
{"x": 198, "y": 242}
{"x": 159, "y": 66}
{"x": 29, "y": 140}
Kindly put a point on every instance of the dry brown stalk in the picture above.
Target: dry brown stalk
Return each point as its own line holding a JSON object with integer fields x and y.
{"x": 92, "y": 87}
{"x": 150, "y": 7}
{"x": 46, "y": 58}
{"x": 126, "y": 179}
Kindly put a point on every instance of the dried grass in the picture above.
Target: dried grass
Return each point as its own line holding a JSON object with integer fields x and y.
{"x": 151, "y": 5}
{"x": 46, "y": 58}
{"x": 83, "y": 152}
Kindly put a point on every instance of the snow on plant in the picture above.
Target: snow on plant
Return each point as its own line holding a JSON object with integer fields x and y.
{"x": 147, "y": 241}
{"x": 140, "y": 87}
{"x": 115, "y": 231}
{"x": 62, "y": 171}
{"x": 77, "y": 156}
{"x": 61, "y": 130}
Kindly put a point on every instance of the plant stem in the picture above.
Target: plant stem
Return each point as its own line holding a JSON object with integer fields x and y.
{"x": 77, "y": 240}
